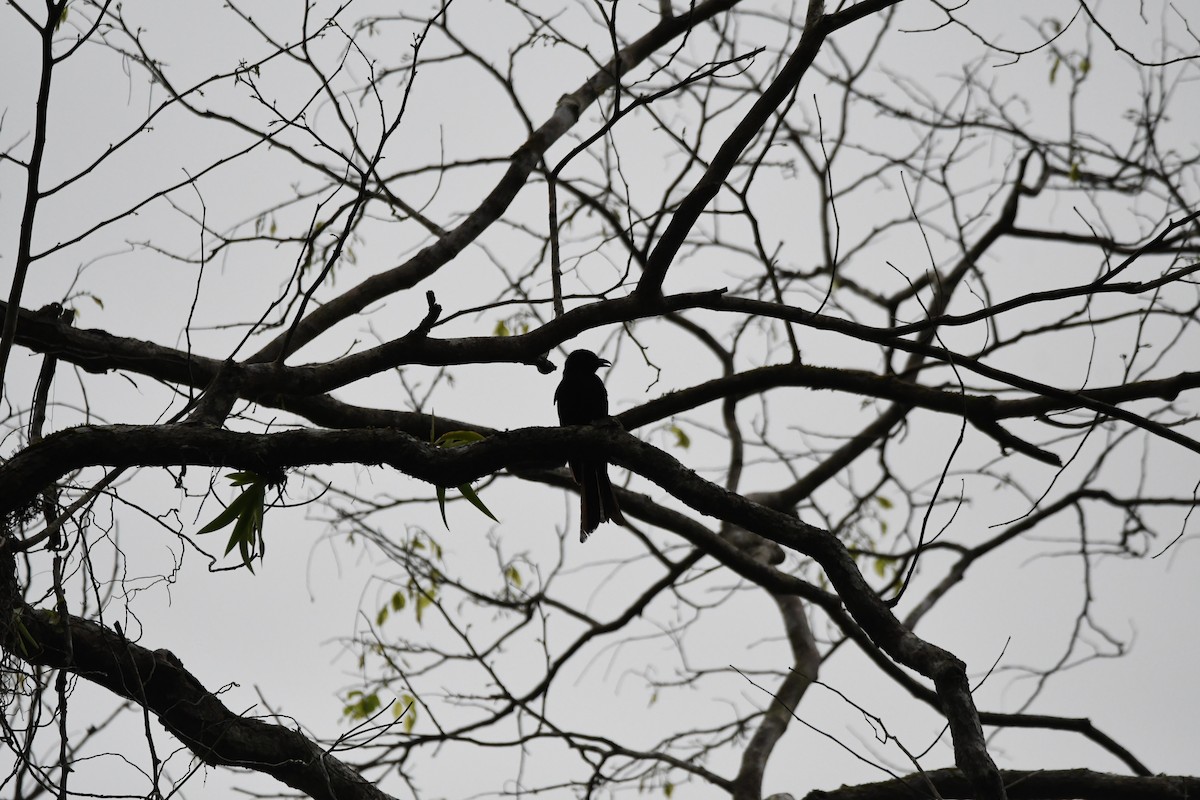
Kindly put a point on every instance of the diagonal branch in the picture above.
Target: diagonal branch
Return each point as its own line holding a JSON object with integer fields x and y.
{"x": 158, "y": 681}
{"x": 816, "y": 29}
{"x": 522, "y": 163}
{"x": 30, "y": 470}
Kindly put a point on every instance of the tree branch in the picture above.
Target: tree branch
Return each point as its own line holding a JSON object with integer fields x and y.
{"x": 120, "y": 445}
{"x": 158, "y": 681}
{"x": 1061, "y": 784}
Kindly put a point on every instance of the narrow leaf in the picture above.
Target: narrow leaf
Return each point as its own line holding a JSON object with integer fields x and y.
{"x": 242, "y": 478}
{"x": 441, "y": 496}
{"x": 246, "y": 556}
{"x": 473, "y": 498}
{"x": 231, "y": 512}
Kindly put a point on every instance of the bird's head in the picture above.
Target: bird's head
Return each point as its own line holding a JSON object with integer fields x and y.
{"x": 584, "y": 362}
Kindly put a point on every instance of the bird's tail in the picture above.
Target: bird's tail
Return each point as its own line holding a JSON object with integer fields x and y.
{"x": 598, "y": 500}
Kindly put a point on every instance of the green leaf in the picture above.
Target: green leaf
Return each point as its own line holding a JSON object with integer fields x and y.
{"x": 681, "y": 438}
{"x": 361, "y": 706}
{"x": 441, "y": 496}
{"x": 884, "y": 502}
{"x": 1085, "y": 66}
{"x": 501, "y": 329}
{"x": 258, "y": 510}
{"x": 668, "y": 789}
{"x": 25, "y": 640}
{"x": 1073, "y": 174}
{"x": 231, "y": 512}
{"x": 382, "y": 616}
{"x": 247, "y": 509}
{"x": 1054, "y": 69}
{"x": 458, "y": 438}
{"x": 424, "y": 599}
{"x": 246, "y": 556}
{"x": 474, "y": 500}
{"x": 238, "y": 535}
{"x": 407, "y": 707}
{"x": 398, "y": 600}
{"x": 880, "y": 567}
{"x": 513, "y": 575}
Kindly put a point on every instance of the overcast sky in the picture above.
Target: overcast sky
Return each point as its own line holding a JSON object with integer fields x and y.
{"x": 273, "y": 638}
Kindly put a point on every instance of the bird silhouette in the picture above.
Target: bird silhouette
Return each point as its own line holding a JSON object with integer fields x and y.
{"x": 582, "y": 400}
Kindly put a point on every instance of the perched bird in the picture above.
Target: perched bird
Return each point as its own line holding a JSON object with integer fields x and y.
{"x": 582, "y": 400}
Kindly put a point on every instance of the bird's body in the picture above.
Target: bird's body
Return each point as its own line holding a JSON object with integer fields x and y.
{"x": 582, "y": 400}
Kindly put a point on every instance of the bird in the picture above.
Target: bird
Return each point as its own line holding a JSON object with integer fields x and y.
{"x": 582, "y": 400}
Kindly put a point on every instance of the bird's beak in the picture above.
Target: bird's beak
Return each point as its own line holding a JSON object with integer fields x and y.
{"x": 604, "y": 362}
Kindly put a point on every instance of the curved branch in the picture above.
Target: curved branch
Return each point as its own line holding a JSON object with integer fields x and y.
{"x": 120, "y": 445}
{"x": 158, "y": 681}
{"x": 299, "y": 388}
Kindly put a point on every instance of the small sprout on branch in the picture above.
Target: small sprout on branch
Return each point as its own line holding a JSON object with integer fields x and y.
{"x": 458, "y": 439}
{"x": 246, "y": 512}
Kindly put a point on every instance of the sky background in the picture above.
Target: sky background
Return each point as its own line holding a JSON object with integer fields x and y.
{"x": 275, "y": 640}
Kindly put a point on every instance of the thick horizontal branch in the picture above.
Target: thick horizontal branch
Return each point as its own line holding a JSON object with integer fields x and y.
{"x": 299, "y": 389}
{"x": 100, "y": 351}
{"x": 118, "y": 446}
{"x": 27, "y": 472}
{"x": 1069, "y": 397}
{"x": 981, "y": 410}
{"x": 1053, "y": 784}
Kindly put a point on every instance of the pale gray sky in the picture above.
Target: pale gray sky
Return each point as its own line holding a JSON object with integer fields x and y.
{"x": 273, "y": 637}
